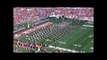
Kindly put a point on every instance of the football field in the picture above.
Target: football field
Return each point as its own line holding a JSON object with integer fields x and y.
{"x": 79, "y": 40}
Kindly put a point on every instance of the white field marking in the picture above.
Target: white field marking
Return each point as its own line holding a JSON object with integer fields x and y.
{"x": 91, "y": 47}
{"x": 70, "y": 37}
{"x": 83, "y": 51}
{"x": 90, "y": 36}
{"x": 62, "y": 42}
{"x": 64, "y": 36}
{"x": 88, "y": 25}
{"x": 77, "y": 45}
{"x": 74, "y": 40}
{"x": 74, "y": 51}
{"x": 80, "y": 43}
{"x": 86, "y": 45}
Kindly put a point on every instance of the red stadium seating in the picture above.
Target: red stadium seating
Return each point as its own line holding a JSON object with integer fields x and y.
{"x": 30, "y": 14}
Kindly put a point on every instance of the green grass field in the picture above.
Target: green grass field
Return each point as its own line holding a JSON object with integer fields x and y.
{"x": 80, "y": 39}
{"x": 77, "y": 37}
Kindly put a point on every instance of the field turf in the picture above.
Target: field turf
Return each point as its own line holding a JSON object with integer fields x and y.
{"x": 80, "y": 39}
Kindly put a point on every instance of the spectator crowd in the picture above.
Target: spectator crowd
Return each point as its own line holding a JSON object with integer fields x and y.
{"x": 28, "y": 14}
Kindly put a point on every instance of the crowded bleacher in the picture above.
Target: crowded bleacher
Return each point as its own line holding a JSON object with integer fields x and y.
{"x": 35, "y": 14}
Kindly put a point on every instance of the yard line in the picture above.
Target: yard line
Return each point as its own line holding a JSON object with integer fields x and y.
{"x": 86, "y": 45}
{"x": 68, "y": 34}
{"x": 66, "y": 39}
{"x": 63, "y": 49}
{"x": 73, "y": 34}
{"x": 76, "y": 39}
{"x": 87, "y": 49}
{"x": 82, "y": 41}
{"x": 88, "y": 25}
{"x": 79, "y": 43}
